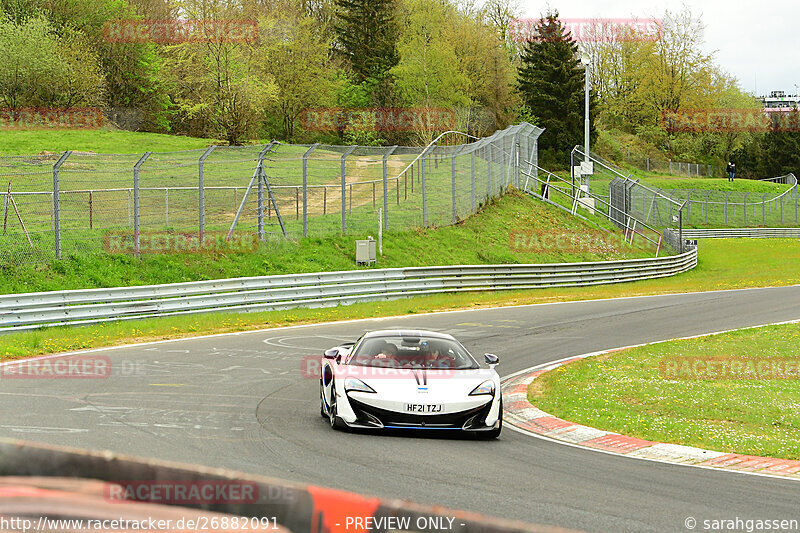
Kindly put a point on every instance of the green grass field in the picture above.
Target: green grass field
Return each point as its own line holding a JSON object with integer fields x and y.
{"x": 639, "y": 393}
{"x": 96, "y": 193}
{"x": 103, "y": 141}
{"x": 485, "y": 238}
{"x": 723, "y": 264}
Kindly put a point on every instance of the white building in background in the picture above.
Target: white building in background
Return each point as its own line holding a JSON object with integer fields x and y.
{"x": 779, "y": 101}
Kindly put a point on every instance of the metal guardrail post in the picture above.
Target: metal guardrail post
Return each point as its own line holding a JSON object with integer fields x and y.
{"x": 764, "y": 209}
{"x": 57, "y": 203}
{"x": 305, "y": 187}
{"x": 201, "y": 194}
{"x": 136, "y": 168}
{"x": 344, "y": 186}
{"x": 680, "y": 231}
{"x": 389, "y": 152}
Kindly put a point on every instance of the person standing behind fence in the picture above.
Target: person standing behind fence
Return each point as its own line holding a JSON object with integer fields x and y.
{"x": 731, "y": 169}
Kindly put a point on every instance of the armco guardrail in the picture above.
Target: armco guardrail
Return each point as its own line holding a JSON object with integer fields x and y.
{"x": 297, "y": 508}
{"x": 32, "y": 310}
{"x": 734, "y": 233}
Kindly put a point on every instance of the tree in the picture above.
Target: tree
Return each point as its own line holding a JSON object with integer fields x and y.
{"x": 551, "y": 83}
{"x": 428, "y": 74}
{"x": 367, "y": 34}
{"x": 484, "y": 61}
{"x": 131, "y": 71}
{"x": 298, "y": 62}
{"x": 216, "y": 82}
{"x": 781, "y": 145}
{"x": 40, "y": 68}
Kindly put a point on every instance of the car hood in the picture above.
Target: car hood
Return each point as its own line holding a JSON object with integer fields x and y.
{"x": 434, "y": 385}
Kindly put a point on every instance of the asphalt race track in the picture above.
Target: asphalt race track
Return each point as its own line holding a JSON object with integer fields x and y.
{"x": 242, "y": 402}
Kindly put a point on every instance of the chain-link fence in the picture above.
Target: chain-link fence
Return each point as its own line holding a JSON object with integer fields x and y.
{"x": 85, "y": 203}
{"x": 674, "y": 168}
{"x": 703, "y": 208}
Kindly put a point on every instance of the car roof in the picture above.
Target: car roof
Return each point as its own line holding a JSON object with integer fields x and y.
{"x": 408, "y": 333}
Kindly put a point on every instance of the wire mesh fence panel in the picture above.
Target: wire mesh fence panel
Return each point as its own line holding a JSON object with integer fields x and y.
{"x": 26, "y": 185}
{"x": 85, "y": 203}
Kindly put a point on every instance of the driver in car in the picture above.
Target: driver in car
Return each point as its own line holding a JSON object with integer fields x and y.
{"x": 439, "y": 357}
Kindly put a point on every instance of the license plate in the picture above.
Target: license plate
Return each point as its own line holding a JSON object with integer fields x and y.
{"x": 424, "y": 407}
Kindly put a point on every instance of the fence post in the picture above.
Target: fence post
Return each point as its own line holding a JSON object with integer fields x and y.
{"x": 708, "y": 193}
{"x": 57, "y": 203}
{"x": 489, "y": 161}
{"x": 389, "y": 152}
{"x": 781, "y": 210}
{"x": 726, "y": 208}
{"x": 764, "y": 209}
{"x": 745, "y": 207}
{"x": 648, "y": 164}
{"x": 136, "y": 168}
{"x": 166, "y": 206}
{"x": 472, "y": 179}
{"x": 259, "y": 174}
{"x": 424, "y": 190}
{"x": 344, "y": 186}
{"x": 201, "y": 194}
{"x": 305, "y": 187}
{"x": 453, "y": 182}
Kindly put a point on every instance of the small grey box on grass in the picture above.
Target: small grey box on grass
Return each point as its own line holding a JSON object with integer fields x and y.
{"x": 365, "y": 251}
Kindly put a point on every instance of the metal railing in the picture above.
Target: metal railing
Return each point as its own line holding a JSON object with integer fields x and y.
{"x": 734, "y": 233}
{"x": 34, "y": 310}
{"x": 551, "y": 184}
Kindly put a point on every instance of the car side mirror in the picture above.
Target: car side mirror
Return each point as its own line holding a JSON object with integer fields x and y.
{"x": 491, "y": 359}
{"x": 333, "y": 353}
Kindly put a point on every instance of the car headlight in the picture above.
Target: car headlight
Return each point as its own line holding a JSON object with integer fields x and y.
{"x": 353, "y": 384}
{"x": 487, "y": 387}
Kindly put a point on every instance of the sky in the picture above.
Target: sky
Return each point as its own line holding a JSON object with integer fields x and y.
{"x": 758, "y": 42}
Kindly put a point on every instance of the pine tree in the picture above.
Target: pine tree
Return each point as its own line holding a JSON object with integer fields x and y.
{"x": 367, "y": 35}
{"x": 551, "y": 84}
{"x": 782, "y": 145}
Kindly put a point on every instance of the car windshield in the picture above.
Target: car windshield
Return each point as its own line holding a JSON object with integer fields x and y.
{"x": 412, "y": 352}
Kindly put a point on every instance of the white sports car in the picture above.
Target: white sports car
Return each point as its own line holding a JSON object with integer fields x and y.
{"x": 410, "y": 380}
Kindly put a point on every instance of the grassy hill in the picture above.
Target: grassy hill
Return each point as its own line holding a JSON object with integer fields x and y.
{"x": 103, "y": 141}
{"x": 512, "y": 229}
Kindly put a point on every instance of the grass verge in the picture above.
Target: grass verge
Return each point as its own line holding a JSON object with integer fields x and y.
{"x": 638, "y": 392}
{"x": 103, "y": 141}
{"x": 723, "y": 264}
{"x": 512, "y": 229}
